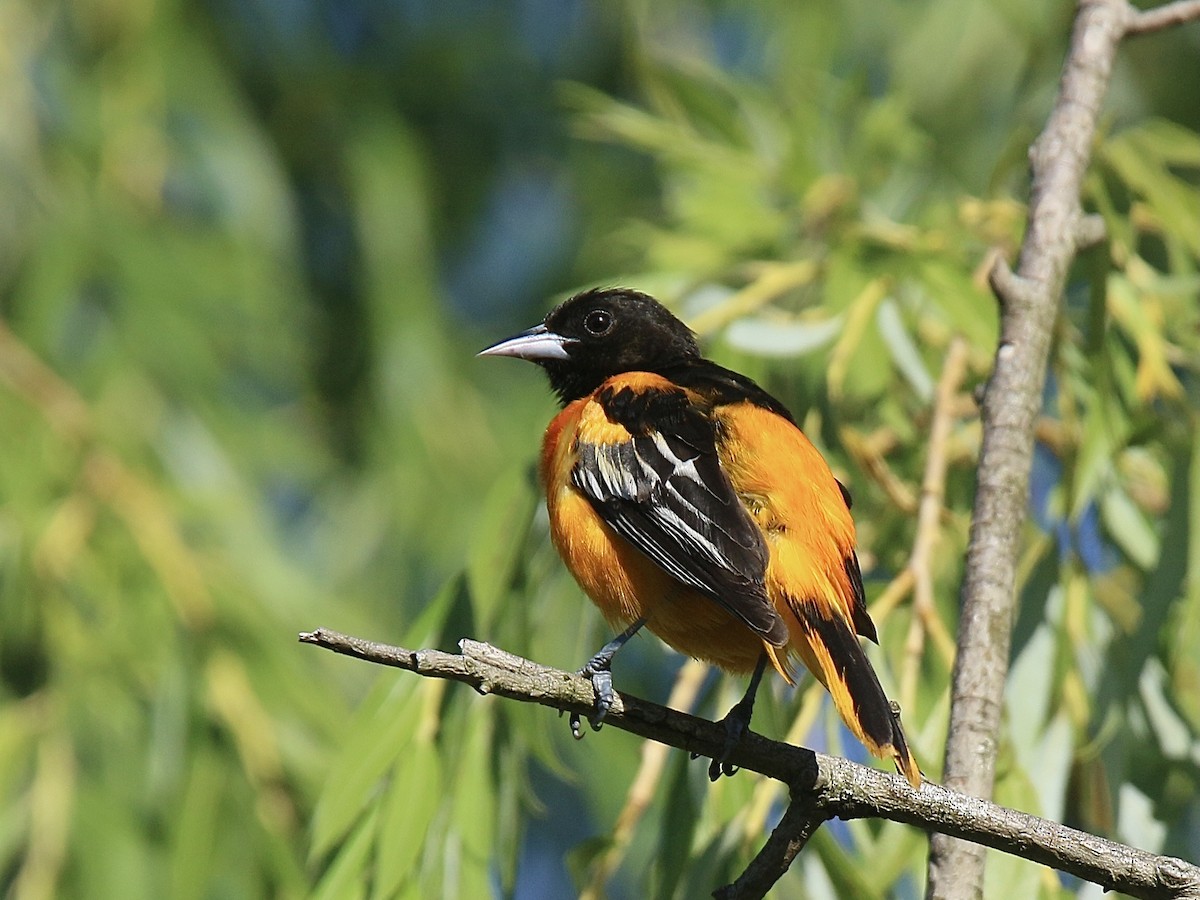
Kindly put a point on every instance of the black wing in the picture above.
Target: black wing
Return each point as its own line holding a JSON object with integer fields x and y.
{"x": 664, "y": 491}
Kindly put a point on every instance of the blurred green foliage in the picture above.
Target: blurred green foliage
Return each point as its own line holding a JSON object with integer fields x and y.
{"x": 246, "y": 254}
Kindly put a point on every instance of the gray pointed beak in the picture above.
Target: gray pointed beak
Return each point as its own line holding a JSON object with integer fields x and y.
{"x": 536, "y": 344}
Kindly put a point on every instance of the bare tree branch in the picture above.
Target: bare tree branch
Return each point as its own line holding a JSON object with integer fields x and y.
{"x": 822, "y": 787}
{"x": 1029, "y": 301}
{"x": 1167, "y": 16}
{"x": 799, "y": 823}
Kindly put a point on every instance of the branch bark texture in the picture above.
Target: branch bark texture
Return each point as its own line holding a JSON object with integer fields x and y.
{"x": 1030, "y": 300}
{"x": 822, "y": 787}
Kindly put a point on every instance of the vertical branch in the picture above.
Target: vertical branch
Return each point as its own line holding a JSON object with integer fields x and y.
{"x": 1030, "y": 301}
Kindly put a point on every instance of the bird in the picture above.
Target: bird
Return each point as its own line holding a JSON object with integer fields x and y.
{"x": 685, "y": 499}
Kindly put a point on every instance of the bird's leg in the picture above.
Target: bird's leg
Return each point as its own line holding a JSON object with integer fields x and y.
{"x": 599, "y": 670}
{"x": 737, "y": 723}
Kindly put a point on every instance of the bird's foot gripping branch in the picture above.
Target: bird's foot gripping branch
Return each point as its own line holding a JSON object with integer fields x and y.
{"x": 599, "y": 670}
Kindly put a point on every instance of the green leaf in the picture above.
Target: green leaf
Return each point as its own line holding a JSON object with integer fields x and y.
{"x": 1172, "y": 199}
{"x": 1048, "y": 765}
{"x": 473, "y": 804}
{"x": 500, "y": 539}
{"x": 897, "y": 849}
{"x": 680, "y": 813}
{"x": 767, "y": 337}
{"x": 1175, "y": 738}
{"x": 1136, "y": 823}
{"x": 843, "y": 867}
{"x": 1166, "y": 140}
{"x": 344, "y": 878}
{"x": 381, "y": 731}
{"x": 1030, "y": 684}
{"x": 1183, "y": 632}
{"x": 1105, "y": 430}
{"x": 903, "y": 349}
{"x": 1006, "y": 875}
{"x": 1129, "y": 527}
{"x": 408, "y": 808}
{"x": 426, "y": 630}
{"x": 196, "y": 827}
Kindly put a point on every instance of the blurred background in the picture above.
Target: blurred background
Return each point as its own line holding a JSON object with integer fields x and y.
{"x": 247, "y": 253}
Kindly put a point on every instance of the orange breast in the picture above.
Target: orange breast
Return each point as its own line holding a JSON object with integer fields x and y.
{"x": 623, "y": 583}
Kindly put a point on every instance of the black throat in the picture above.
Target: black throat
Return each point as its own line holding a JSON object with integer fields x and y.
{"x": 570, "y": 380}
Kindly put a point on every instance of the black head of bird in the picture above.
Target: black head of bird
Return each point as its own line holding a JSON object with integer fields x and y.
{"x": 598, "y": 334}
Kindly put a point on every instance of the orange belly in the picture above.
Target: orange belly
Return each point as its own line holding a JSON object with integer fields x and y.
{"x": 626, "y": 585}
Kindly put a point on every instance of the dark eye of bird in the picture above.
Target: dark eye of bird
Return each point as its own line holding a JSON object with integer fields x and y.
{"x": 598, "y": 322}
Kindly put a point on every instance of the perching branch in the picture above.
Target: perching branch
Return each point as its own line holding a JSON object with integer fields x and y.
{"x": 822, "y": 787}
{"x": 1029, "y": 299}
